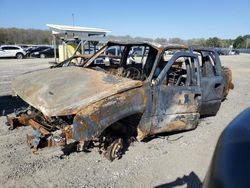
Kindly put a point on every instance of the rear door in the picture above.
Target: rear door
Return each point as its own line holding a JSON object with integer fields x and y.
{"x": 211, "y": 83}
{"x": 177, "y": 94}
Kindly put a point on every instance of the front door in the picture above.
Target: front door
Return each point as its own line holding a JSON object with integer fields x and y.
{"x": 177, "y": 94}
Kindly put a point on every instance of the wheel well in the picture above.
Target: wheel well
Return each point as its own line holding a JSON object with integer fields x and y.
{"x": 126, "y": 127}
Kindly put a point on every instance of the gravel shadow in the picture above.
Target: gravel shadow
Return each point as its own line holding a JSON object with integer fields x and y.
{"x": 190, "y": 181}
{"x": 9, "y": 104}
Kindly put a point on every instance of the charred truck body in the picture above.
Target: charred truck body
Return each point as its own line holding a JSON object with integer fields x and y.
{"x": 112, "y": 96}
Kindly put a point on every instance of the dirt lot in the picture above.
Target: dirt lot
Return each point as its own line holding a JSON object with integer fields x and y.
{"x": 180, "y": 159}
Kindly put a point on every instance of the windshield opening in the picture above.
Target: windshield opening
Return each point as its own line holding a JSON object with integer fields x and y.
{"x": 129, "y": 61}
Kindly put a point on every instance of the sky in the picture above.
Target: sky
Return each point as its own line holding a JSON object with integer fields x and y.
{"x": 186, "y": 19}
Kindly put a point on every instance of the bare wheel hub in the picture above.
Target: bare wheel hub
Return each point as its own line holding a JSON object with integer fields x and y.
{"x": 114, "y": 150}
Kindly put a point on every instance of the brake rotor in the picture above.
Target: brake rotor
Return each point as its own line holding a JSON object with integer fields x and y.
{"x": 114, "y": 150}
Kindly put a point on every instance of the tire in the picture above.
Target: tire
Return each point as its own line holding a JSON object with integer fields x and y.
{"x": 42, "y": 56}
{"x": 227, "y": 73}
{"x": 19, "y": 56}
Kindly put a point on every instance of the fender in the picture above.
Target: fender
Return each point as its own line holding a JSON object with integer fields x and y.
{"x": 93, "y": 120}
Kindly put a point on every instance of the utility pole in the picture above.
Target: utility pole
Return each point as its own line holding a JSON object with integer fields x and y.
{"x": 73, "y": 19}
{"x": 247, "y": 41}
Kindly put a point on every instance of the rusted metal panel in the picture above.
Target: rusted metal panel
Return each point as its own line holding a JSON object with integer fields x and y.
{"x": 175, "y": 122}
{"x": 93, "y": 120}
{"x": 14, "y": 122}
{"x": 37, "y": 126}
{"x": 176, "y": 108}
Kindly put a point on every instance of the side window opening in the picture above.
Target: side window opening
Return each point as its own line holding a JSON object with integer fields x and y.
{"x": 13, "y": 48}
{"x": 148, "y": 61}
{"x": 140, "y": 59}
{"x": 166, "y": 56}
{"x": 183, "y": 72}
{"x": 179, "y": 73}
{"x": 208, "y": 68}
{"x": 114, "y": 51}
{"x": 138, "y": 54}
{"x": 162, "y": 63}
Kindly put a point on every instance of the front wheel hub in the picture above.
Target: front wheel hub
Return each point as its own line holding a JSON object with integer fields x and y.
{"x": 114, "y": 150}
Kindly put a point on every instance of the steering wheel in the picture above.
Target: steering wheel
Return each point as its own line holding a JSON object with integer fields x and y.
{"x": 132, "y": 73}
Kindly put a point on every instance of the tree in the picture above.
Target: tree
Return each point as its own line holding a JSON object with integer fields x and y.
{"x": 213, "y": 42}
{"x": 161, "y": 40}
{"x": 176, "y": 41}
{"x": 24, "y": 36}
{"x": 196, "y": 42}
{"x": 239, "y": 42}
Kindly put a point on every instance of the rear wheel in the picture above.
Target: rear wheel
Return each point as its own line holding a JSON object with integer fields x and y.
{"x": 19, "y": 56}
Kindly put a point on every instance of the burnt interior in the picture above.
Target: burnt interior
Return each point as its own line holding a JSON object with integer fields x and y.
{"x": 129, "y": 61}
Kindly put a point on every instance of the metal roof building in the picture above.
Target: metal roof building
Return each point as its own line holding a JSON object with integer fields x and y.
{"x": 82, "y": 34}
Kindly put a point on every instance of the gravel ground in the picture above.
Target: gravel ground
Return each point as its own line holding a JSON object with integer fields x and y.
{"x": 175, "y": 160}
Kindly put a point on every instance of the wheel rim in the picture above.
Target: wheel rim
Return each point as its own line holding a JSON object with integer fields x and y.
{"x": 19, "y": 56}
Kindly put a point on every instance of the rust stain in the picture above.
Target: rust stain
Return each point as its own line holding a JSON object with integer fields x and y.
{"x": 177, "y": 125}
{"x": 68, "y": 132}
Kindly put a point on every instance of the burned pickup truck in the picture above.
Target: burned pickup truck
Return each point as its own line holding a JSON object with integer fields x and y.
{"x": 112, "y": 97}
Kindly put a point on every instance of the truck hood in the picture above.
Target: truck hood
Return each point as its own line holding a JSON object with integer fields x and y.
{"x": 66, "y": 90}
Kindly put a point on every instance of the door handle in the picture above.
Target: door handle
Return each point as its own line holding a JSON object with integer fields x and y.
{"x": 217, "y": 85}
{"x": 197, "y": 96}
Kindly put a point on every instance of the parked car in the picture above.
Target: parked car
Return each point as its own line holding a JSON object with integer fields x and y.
{"x": 91, "y": 50}
{"x": 49, "y": 52}
{"x": 227, "y": 51}
{"x": 120, "y": 97}
{"x": 230, "y": 164}
{"x": 220, "y": 51}
{"x": 234, "y": 52}
{"x": 12, "y": 51}
{"x": 31, "y": 51}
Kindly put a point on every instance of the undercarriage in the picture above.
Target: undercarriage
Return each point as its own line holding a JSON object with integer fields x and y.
{"x": 58, "y": 132}
{"x": 48, "y": 132}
